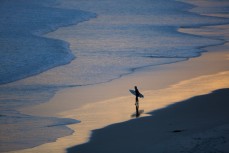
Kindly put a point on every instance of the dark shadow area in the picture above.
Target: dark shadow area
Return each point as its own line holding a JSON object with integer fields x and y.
{"x": 156, "y": 133}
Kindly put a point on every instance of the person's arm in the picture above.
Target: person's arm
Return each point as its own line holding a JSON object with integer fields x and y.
{"x": 137, "y": 93}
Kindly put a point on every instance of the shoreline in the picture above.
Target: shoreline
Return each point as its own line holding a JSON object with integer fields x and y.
{"x": 118, "y": 88}
{"x": 180, "y": 74}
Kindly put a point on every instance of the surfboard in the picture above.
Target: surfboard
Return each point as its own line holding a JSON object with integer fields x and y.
{"x": 134, "y": 93}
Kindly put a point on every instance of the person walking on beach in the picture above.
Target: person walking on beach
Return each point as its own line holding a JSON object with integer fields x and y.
{"x": 137, "y": 94}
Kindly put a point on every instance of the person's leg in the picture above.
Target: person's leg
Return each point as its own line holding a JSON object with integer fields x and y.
{"x": 137, "y": 107}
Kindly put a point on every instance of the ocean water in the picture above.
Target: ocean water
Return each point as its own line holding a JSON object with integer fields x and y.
{"x": 110, "y": 39}
{"x": 24, "y": 52}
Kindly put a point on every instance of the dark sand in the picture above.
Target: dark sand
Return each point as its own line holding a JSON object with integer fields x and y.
{"x": 197, "y": 125}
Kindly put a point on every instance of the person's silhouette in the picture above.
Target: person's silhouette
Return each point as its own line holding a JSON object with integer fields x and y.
{"x": 137, "y": 93}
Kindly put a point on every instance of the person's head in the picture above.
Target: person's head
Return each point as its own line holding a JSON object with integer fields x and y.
{"x": 135, "y": 87}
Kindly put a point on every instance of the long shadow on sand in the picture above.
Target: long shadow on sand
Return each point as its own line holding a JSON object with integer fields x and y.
{"x": 179, "y": 127}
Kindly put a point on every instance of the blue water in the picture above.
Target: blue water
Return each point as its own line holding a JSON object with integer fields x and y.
{"x": 24, "y": 52}
{"x": 111, "y": 39}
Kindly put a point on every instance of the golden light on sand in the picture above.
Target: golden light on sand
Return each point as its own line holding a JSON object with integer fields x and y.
{"x": 100, "y": 114}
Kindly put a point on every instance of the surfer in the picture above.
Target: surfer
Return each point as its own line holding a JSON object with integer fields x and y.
{"x": 137, "y": 94}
